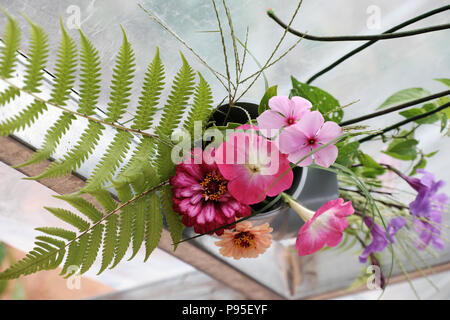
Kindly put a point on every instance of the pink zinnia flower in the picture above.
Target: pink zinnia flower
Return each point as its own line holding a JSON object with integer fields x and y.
{"x": 324, "y": 227}
{"x": 283, "y": 112}
{"x": 310, "y": 133}
{"x": 246, "y": 241}
{"x": 254, "y": 167}
{"x": 200, "y": 194}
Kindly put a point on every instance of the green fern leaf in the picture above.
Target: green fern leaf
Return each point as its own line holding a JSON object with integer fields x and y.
{"x": 37, "y": 58}
{"x": 72, "y": 253}
{"x": 36, "y": 260}
{"x": 89, "y": 93}
{"x": 82, "y": 205}
{"x": 121, "y": 82}
{"x": 69, "y": 217}
{"x": 202, "y": 105}
{"x": 125, "y": 224}
{"x": 75, "y": 157}
{"x": 55, "y": 242}
{"x": 93, "y": 247}
{"x": 58, "y": 232}
{"x": 151, "y": 91}
{"x": 104, "y": 197}
{"x": 109, "y": 242}
{"x": 173, "y": 219}
{"x": 24, "y": 119}
{"x": 8, "y": 56}
{"x": 89, "y": 77}
{"x": 64, "y": 79}
{"x": 107, "y": 166}
{"x": 182, "y": 89}
{"x": 154, "y": 224}
{"x": 8, "y": 95}
{"x": 138, "y": 220}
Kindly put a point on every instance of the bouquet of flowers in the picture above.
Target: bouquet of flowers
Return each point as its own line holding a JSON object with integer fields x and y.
{"x": 226, "y": 170}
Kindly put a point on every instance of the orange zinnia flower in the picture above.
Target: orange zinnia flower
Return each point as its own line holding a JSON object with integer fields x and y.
{"x": 246, "y": 241}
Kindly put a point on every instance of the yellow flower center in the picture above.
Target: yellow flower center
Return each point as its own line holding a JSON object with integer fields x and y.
{"x": 244, "y": 240}
{"x": 214, "y": 186}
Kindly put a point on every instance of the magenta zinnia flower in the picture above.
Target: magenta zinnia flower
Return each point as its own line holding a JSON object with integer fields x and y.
{"x": 200, "y": 194}
{"x": 254, "y": 167}
{"x": 283, "y": 112}
{"x": 310, "y": 133}
{"x": 324, "y": 227}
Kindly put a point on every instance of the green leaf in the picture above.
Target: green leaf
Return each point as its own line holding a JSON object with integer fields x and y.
{"x": 82, "y": 205}
{"x": 93, "y": 247}
{"x": 173, "y": 219}
{"x": 264, "y": 103}
{"x": 2, "y": 252}
{"x": 201, "y": 108}
{"x": 8, "y": 55}
{"x": 24, "y": 119}
{"x": 419, "y": 165}
{"x": 69, "y": 217}
{"x": 37, "y": 58}
{"x": 404, "y": 96}
{"x": 123, "y": 74}
{"x": 59, "y": 232}
{"x": 10, "y": 94}
{"x": 109, "y": 242}
{"x": 151, "y": 91}
{"x": 371, "y": 168}
{"x": 347, "y": 152}
{"x": 444, "y": 81}
{"x": 154, "y": 224}
{"x": 320, "y": 99}
{"x": 182, "y": 89}
{"x": 403, "y": 150}
{"x": 418, "y": 111}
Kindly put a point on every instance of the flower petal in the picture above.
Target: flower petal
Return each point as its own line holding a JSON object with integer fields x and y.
{"x": 280, "y": 104}
{"x": 311, "y": 123}
{"x": 329, "y": 131}
{"x": 270, "y": 122}
{"x": 327, "y": 156}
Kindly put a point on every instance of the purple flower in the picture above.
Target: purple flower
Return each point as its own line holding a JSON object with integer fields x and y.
{"x": 428, "y": 205}
{"x": 380, "y": 238}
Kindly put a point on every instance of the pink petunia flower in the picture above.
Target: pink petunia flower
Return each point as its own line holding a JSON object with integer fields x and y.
{"x": 201, "y": 195}
{"x": 254, "y": 167}
{"x": 284, "y": 112}
{"x": 309, "y": 134}
{"x": 324, "y": 227}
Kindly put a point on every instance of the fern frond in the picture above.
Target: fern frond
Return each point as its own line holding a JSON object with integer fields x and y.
{"x": 36, "y": 260}
{"x": 24, "y": 119}
{"x": 93, "y": 247}
{"x": 178, "y": 99}
{"x": 125, "y": 223}
{"x": 201, "y": 108}
{"x": 89, "y": 77}
{"x": 77, "y": 155}
{"x": 173, "y": 219}
{"x": 151, "y": 91}
{"x": 105, "y": 199}
{"x": 110, "y": 161}
{"x": 138, "y": 220}
{"x": 52, "y": 138}
{"x": 109, "y": 242}
{"x": 8, "y": 95}
{"x": 121, "y": 83}
{"x": 58, "y": 232}
{"x": 65, "y": 68}
{"x": 8, "y": 55}
{"x": 154, "y": 224}
{"x": 69, "y": 217}
{"x": 82, "y": 205}
{"x": 37, "y": 58}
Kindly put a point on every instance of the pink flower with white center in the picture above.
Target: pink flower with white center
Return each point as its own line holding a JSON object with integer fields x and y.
{"x": 324, "y": 227}
{"x": 254, "y": 167}
{"x": 201, "y": 195}
{"x": 309, "y": 134}
{"x": 284, "y": 112}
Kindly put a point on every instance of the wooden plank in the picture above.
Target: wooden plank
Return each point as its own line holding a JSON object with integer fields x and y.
{"x": 13, "y": 152}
